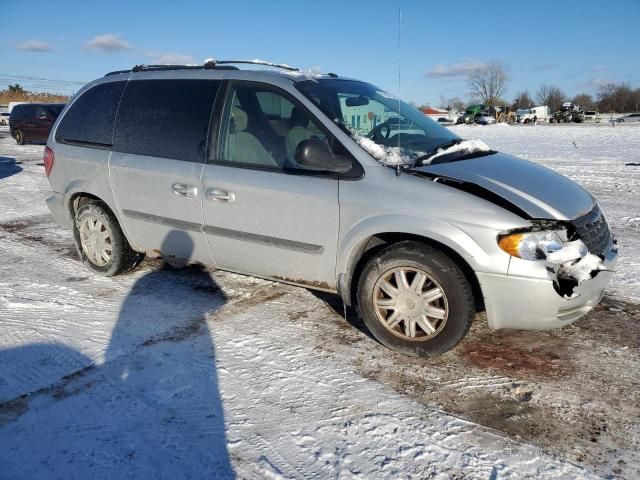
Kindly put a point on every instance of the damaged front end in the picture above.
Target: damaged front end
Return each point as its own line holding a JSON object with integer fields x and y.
{"x": 573, "y": 251}
{"x": 558, "y": 272}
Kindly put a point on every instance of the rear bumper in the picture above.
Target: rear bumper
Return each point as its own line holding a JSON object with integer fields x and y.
{"x": 533, "y": 304}
{"x": 56, "y": 205}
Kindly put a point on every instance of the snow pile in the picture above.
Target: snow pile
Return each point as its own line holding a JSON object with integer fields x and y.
{"x": 469, "y": 146}
{"x": 582, "y": 269}
{"x": 571, "y": 251}
{"x": 575, "y": 261}
{"x": 386, "y": 155}
{"x": 265, "y": 62}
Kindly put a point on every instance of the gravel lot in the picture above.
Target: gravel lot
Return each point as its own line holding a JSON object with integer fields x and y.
{"x": 166, "y": 372}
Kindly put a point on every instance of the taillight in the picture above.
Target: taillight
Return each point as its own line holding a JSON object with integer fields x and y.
{"x": 48, "y": 160}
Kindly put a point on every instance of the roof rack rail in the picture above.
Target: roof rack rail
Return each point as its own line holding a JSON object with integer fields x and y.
{"x": 150, "y": 68}
{"x": 284, "y": 66}
{"x": 209, "y": 64}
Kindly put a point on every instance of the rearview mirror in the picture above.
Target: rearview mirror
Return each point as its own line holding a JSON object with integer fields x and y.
{"x": 358, "y": 101}
{"x": 315, "y": 154}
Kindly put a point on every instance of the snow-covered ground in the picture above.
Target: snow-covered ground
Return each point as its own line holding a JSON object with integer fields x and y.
{"x": 167, "y": 373}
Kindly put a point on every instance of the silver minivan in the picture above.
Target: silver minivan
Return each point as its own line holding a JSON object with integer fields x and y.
{"x": 328, "y": 183}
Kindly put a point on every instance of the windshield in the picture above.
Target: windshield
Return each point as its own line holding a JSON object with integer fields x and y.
{"x": 389, "y": 129}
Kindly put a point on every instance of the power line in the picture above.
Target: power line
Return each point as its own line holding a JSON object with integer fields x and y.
{"x": 23, "y": 77}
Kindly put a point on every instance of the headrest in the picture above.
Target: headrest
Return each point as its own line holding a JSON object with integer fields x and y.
{"x": 239, "y": 118}
{"x": 298, "y": 118}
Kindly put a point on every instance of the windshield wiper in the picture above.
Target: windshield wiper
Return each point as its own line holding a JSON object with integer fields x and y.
{"x": 432, "y": 152}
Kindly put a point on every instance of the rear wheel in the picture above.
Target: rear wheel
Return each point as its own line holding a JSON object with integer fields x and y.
{"x": 415, "y": 300}
{"x": 20, "y": 137}
{"x": 101, "y": 243}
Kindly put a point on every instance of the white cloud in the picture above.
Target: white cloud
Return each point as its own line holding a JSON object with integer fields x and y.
{"x": 108, "y": 43}
{"x": 595, "y": 83}
{"x": 168, "y": 58}
{"x": 34, "y": 45}
{"x": 454, "y": 69}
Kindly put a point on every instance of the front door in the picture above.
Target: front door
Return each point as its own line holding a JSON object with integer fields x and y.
{"x": 156, "y": 163}
{"x": 264, "y": 214}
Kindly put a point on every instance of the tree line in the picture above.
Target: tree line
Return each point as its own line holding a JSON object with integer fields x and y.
{"x": 488, "y": 85}
{"x": 15, "y": 93}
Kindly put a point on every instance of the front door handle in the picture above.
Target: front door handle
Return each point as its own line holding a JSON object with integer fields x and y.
{"x": 219, "y": 195}
{"x": 184, "y": 190}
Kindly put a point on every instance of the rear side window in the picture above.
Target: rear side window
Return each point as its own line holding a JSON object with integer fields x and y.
{"x": 21, "y": 112}
{"x": 90, "y": 118}
{"x": 166, "y": 118}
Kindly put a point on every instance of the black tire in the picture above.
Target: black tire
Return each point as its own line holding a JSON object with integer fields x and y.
{"x": 448, "y": 276}
{"x": 122, "y": 258}
{"x": 20, "y": 140}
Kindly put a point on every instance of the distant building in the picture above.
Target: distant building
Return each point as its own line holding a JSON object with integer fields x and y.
{"x": 434, "y": 112}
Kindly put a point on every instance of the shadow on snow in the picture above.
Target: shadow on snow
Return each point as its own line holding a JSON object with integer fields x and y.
{"x": 152, "y": 409}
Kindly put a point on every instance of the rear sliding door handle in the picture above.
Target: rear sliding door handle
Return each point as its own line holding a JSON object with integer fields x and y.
{"x": 219, "y": 195}
{"x": 184, "y": 190}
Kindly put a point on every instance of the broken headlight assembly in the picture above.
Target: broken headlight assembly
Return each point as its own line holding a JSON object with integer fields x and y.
{"x": 569, "y": 262}
{"x": 533, "y": 245}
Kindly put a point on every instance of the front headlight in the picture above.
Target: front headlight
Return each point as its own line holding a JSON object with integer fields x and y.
{"x": 531, "y": 245}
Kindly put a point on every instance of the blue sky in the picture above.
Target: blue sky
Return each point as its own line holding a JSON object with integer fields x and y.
{"x": 575, "y": 45}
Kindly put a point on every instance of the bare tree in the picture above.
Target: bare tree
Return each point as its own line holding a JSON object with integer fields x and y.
{"x": 584, "y": 100}
{"x": 523, "y": 100}
{"x": 606, "y": 97}
{"x": 456, "y": 104}
{"x": 551, "y": 96}
{"x": 488, "y": 82}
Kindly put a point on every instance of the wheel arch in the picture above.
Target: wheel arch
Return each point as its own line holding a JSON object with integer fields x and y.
{"x": 348, "y": 280}
{"x": 77, "y": 196}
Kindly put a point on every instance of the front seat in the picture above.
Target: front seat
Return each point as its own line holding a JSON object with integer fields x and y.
{"x": 298, "y": 131}
{"x": 242, "y": 146}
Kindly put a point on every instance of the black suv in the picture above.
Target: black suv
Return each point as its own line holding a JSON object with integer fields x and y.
{"x": 32, "y": 122}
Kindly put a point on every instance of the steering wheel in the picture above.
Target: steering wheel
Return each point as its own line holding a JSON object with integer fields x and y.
{"x": 380, "y": 132}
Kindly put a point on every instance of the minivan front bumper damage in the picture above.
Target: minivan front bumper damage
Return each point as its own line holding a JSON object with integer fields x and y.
{"x": 534, "y": 303}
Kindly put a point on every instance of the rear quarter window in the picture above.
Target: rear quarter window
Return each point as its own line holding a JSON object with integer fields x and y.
{"x": 166, "y": 118}
{"x": 91, "y": 117}
{"x": 21, "y": 112}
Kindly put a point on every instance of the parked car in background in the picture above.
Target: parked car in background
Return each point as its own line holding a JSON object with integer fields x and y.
{"x": 409, "y": 223}
{"x": 591, "y": 116}
{"x": 32, "y": 122}
{"x": 4, "y": 118}
{"x": 485, "y": 119}
{"x": 632, "y": 117}
{"x": 445, "y": 121}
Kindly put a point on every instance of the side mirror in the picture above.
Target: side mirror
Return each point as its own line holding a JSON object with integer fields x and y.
{"x": 315, "y": 154}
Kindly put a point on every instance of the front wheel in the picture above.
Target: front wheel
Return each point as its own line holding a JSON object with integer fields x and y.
{"x": 415, "y": 300}
{"x": 20, "y": 137}
{"x": 101, "y": 243}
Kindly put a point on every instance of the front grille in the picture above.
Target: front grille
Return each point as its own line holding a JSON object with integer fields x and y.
{"x": 593, "y": 230}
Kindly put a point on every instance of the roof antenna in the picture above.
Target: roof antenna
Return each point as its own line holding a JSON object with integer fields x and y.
{"x": 399, "y": 25}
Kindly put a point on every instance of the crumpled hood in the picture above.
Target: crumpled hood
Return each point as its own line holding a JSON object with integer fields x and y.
{"x": 538, "y": 191}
